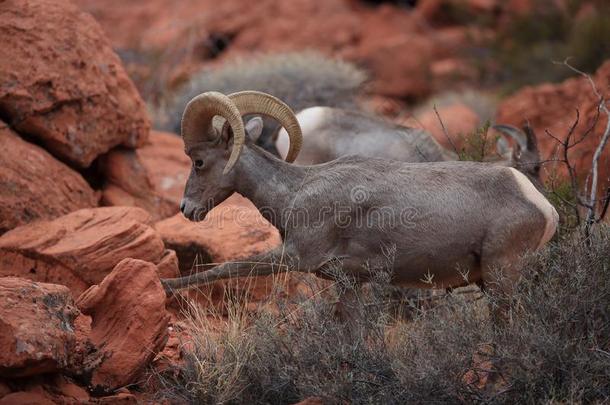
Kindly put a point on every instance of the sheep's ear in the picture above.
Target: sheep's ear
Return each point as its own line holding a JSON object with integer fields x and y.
{"x": 254, "y": 128}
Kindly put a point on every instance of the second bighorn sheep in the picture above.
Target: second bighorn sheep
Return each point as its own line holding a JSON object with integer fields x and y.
{"x": 438, "y": 219}
{"x": 330, "y": 133}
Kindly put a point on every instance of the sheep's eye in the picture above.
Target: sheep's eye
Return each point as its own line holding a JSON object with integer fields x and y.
{"x": 198, "y": 163}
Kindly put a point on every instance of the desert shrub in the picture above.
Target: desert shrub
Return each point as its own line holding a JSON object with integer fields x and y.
{"x": 300, "y": 79}
{"x": 554, "y": 347}
{"x": 478, "y": 145}
{"x": 561, "y": 194}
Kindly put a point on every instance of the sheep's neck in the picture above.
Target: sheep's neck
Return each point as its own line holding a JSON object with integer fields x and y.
{"x": 271, "y": 184}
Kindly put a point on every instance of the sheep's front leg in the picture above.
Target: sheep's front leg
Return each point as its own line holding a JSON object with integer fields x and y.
{"x": 275, "y": 261}
{"x": 349, "y": 273}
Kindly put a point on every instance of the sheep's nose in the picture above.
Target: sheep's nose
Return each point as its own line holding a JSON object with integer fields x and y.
{"x": 182, "y": 205}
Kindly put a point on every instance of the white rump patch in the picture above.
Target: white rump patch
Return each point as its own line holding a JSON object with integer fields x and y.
{"x": 535, "y": 197}
{"x": 309, "y": 119}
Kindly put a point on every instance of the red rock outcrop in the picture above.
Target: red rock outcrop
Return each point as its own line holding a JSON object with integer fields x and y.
{"x": 405, "y": 76}
{"x": 45, "y": 389}
{"x": 128, "y": 184}
{"x": 168, "y": 265}
{"x": 81, "y": 248}
{"x": 553, "y": 107}
{"x": 167, "y": 165}
{"x": 233, "y": 230}
{"x": 36, "y": 327}
{"x": 33, "y": 185}
{"x": 459, "y": 120}
{"x": 151, "y": 177}
{"x": 129, "y": 322}
{"x": 62, "y": 83}
{"x": 394, "y": 43}
{"x": 27, "y": 398}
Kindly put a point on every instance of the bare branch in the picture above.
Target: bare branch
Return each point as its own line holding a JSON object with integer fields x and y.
{"x": 438, "y": 116}
{"x": 594, "y": 164}
{"x": 605, "y": 208}
{"x": 593, "y": 173}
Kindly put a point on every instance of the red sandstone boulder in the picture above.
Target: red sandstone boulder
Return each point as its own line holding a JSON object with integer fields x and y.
{"x": 81, "y": 248}
{"x": 553, "y": 107}
{"x": 27, "y": 398}
{"x": 397, "y": 73}
{"x": 459, "y": 120}
{"x": 151, "y": 177}
{"x": 33, "y": 185}
{"x": 391, "y": 41}
{"x": 167, "y": 165}
{"x": 36, "y": 327}
{"x": 235, "y": 229}
{"x": 129, "y": 322}
{"x": 446, "y": 72}
{"x": 168, "y": 265}
{"x": 45, "y": 389}
{"x": 129, "y": 184}
{"x": 78, "y": 105}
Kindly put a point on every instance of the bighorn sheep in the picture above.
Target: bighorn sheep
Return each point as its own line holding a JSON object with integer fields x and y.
{"x": 330, "y": 133}
{"x": 439, "y": 219}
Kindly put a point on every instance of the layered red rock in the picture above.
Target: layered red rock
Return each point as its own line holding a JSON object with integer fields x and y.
{"x": 167, "y": 267}
{"x": 63, "y": 85}
{"x": 129, "y": 322}
{"x": 167, "y": 165}
{"x": 395, "y": 44}
{"x": 36, "y": 327}
{"x": 81, "y": 248}
{"x": 151, "y": 177}
{"x": 127, "y": 183}
{"x": 553, "y": 107}
{"x": 34, "y": 185}
{"x": 235, "y": 229}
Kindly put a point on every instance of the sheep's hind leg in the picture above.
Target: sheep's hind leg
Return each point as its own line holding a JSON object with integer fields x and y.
{"x": 274, "y": 261}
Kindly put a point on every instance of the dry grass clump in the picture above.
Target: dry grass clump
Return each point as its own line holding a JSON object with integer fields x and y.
{"x": 554, "y": 348}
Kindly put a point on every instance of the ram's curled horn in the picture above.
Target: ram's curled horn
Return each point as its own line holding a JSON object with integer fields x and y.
{"x": 512, "y": 132}
{"x": 255, "y": 102}
{"x": 532, "y": 141}
{"x": 197, "y": 122}
{"x": 503, "y": 148}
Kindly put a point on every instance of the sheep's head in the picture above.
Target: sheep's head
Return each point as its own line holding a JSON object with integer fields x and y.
{"x": 214, "y": 137}
{"x": 524, "y": 156}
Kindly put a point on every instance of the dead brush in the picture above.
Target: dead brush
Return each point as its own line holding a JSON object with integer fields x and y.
{"x": 555, "y": 348}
